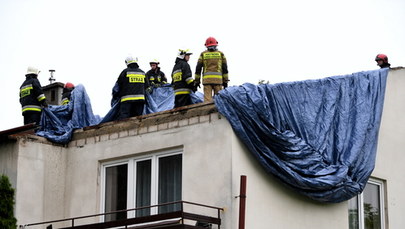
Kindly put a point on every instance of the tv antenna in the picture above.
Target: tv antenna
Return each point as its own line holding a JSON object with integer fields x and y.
{"x": 51, "y": 79}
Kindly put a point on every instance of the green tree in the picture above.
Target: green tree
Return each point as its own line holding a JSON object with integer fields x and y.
{"x": 7, "y": 219}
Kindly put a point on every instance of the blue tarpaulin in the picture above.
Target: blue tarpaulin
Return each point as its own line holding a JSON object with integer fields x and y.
{"x": 317, "y": 136}
{"x": 59, "y": 122}
{"x": 161, "y": 99}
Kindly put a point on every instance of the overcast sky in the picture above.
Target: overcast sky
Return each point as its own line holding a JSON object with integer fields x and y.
{"x": 87, "y": 41}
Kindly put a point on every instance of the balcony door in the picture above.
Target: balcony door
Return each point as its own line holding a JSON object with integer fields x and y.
{"x": 142, "y": 182}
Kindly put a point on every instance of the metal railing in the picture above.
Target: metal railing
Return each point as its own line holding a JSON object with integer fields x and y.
{"x": 180, "y": 214}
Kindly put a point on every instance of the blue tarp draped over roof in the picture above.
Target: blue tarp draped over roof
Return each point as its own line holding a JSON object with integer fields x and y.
{"x": 59, "y": 122}
{"x": 161, "y": 99}
{"x": 317, "y": 136}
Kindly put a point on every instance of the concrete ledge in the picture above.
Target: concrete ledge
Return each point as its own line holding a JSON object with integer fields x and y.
{"x": 175, "y": 118}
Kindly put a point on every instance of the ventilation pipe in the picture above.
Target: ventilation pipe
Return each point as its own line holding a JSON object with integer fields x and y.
{"x": 242, "y": 202}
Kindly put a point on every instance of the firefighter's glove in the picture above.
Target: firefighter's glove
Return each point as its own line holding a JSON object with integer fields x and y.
{"x": 225, "y": 85}
{"x": 44, "y": 104}
{"x": 194, "y": 88}
{"x": 149, "y": 90}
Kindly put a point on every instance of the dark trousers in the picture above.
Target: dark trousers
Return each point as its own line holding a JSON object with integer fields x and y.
{"x": 182, "y": 100}
{"x": 130, "y": 109}
{"x": 32, "y": 117}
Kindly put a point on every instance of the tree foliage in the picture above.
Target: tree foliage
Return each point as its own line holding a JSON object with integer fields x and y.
{"x": 7, "y": 219}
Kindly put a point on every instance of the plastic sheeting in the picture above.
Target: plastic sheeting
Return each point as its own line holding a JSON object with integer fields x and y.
{"x": 317, "y": 136}
{"x": 59, "y": 122}
{"x": 161, "y": 99}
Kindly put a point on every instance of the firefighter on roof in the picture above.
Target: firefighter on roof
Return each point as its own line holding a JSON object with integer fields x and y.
{"x": 156, "y": 77}
{"x": 67, "y": 91}
{"x": 382, "y": 61}
{"x": 32, "y": 98}
{"x": 215, "y": 70}
{"x": 132, "y": 85}
{"x": 182, "y": 80}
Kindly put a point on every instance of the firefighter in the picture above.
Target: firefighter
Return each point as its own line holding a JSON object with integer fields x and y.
{"x": 215, "y": 70}
{"x": 32, "y": 98}
{"x": 132, "y": 85}
{"x": 67, "y": 91}
{"x": 382, "y": 61}
{"x": 156, "y": 77}
{"x": 182, "y": 80}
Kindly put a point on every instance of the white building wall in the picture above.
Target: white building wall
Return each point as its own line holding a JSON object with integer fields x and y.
{"x": 391, "y": 149}
{"x": 54, "y": 182}
{"x": 270, "y": 204}
{"x": 40, "y": 187}
{"x": 206, "y": 162}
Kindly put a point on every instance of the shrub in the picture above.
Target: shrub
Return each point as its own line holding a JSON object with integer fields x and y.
{"x": 7, "y": 219}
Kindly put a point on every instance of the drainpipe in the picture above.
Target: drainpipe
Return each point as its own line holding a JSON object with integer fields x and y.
{"x": 242, "y": 202}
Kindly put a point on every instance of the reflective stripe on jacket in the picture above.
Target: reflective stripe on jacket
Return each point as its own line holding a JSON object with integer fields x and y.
{"x": 182, "y": 91}
{"x": 132, "y": 97}
{"x": 65, "y": 101}
{"x": 31, "y": 108}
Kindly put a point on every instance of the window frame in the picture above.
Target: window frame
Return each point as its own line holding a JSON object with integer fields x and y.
{"x": 131, "y": 182}
{"x": 382, "y": 203}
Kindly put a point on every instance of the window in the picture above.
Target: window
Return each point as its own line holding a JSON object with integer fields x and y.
{"x": 53, "y": 95}
{"x": 366, "y": 211}
{"x": 116, "y": 190}
{"x": 140, "y": 182}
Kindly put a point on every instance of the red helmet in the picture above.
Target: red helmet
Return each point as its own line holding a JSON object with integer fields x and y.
{"x": 69, "y": 85}
{"x": 382, "y": 57}
{"x": 211, "y": 42}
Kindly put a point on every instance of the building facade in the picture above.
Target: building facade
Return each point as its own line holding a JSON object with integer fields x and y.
{"x": 192, "y": 155}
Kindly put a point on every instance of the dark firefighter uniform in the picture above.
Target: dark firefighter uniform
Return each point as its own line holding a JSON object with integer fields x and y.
{"x": 132, "y": 84}
{"x": 215, "y": 73}
{"x": 183, "y": 83}
{"x": 32, "y": 99}
{"x": 156, "y": 77}
{"x": 66, "y": 94}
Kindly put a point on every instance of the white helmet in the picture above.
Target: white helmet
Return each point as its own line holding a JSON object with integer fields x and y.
{"x": 154, "y": 61}
{"x": 32, "y": 70}
{"x": 183, "y": 52}
{"x": 130, "y": 60}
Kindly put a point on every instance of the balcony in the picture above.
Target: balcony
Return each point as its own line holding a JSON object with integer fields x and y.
{"x": 190, "y": 215}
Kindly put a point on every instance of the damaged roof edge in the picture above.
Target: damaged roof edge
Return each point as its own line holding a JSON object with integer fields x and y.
{"x": 194, "y": 110}
{"x": 186, "y": 112}
{"x": 13, "y": 133}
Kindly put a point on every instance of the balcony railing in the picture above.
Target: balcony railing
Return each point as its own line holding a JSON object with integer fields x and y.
{"x": 190, "y": 218}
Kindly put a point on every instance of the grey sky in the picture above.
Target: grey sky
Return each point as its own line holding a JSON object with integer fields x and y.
{"x": 86, "y": 41}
